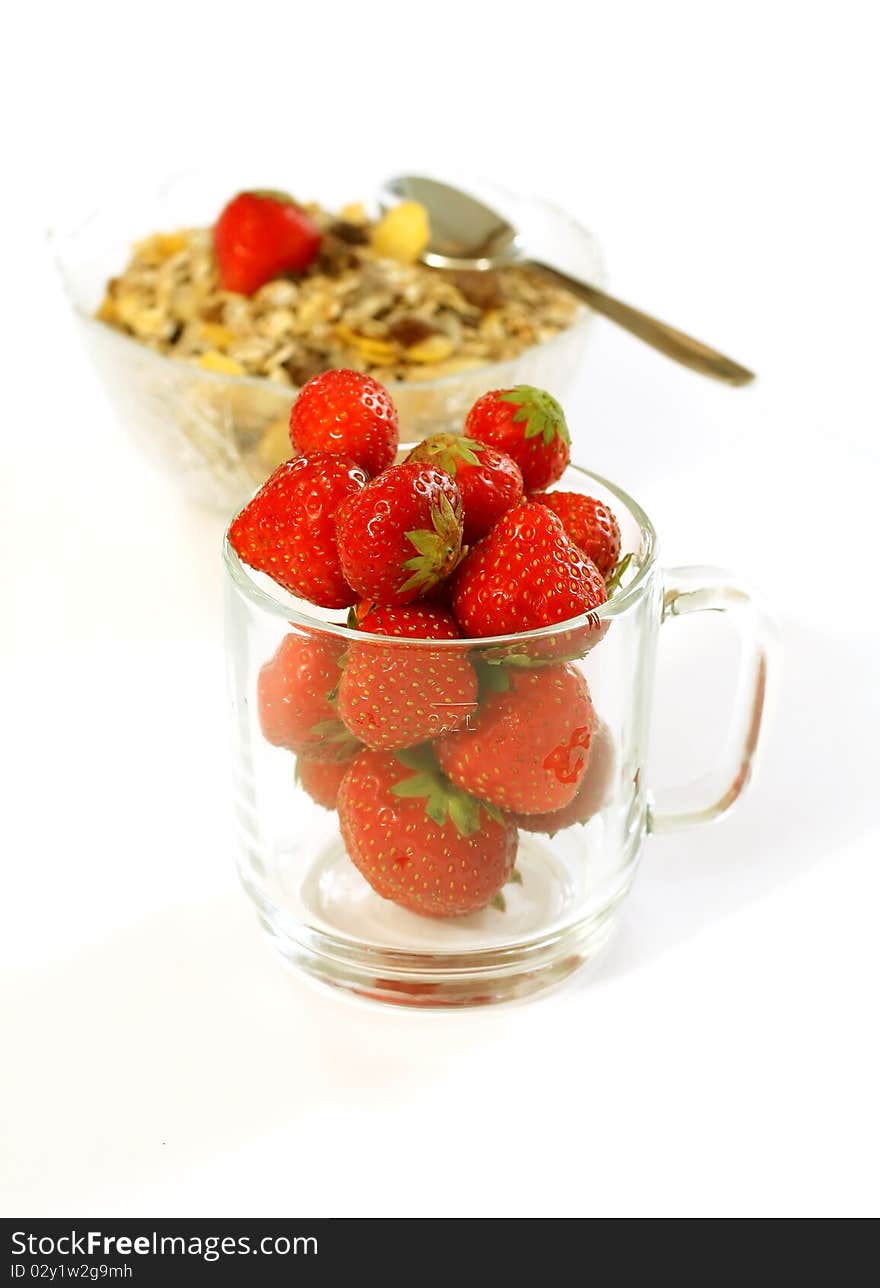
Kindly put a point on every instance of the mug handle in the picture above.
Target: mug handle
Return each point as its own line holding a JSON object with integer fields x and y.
{"x": 712, "y": 590}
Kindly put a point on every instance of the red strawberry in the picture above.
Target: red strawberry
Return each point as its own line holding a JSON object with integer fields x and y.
{"x": 322, "y": 778}
{"x": 418, "y": 840}
{"x": 260, "y": 235}
{"x": 489, "y": 481}
{"x": 591, "y": 795}
{"x": 402, "y": 534}
{"x": 348, "y": 413}
{"x": 528, "y": 425}
{"x": 293, "y": 699}
{"x": 394, "y": 695}
{"x": 526, "y": 574}
{"x": 288, "y": 529}
{"x": 527, "y": 748}
{"x": 410, "y": 621}
{"x": 589, "y": 523}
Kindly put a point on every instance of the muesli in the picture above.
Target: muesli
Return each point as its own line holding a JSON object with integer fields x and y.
{"x": 363, "y": 302}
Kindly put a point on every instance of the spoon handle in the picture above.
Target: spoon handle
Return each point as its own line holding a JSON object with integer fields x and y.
{"x": 675, "y": 344}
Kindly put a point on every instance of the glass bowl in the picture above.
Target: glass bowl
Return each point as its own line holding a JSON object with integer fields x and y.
{"x": 221, "y": 435}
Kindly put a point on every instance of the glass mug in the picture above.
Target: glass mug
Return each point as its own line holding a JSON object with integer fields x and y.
{"x": 573, "y": 864}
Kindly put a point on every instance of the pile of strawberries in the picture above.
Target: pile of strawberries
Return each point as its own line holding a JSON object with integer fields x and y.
{"x": 435, "y": 757}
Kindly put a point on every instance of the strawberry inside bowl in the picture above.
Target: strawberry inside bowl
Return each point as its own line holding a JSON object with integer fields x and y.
{"x": 203, "y": 375}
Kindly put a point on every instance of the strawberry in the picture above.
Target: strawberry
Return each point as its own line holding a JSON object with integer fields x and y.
{"x": 410, "y": 621}
{"x": 418, "y": 840}
{"x": 589, "y": 523}
{"x": 489, "y": 481}
{"x": 392, "y": 695}
{"x": 293, "y": 698}
{"x": 528, "y": 425}
{"x": 402, "y": 534}
{"x": 322, "y": 778}
{"x": 525, "y": 575}
{"x": 259, "y": 235}
{"x": 349, "y": 413}
{"x": 287, "y": 530}
{"x": 590, "y": 796}
{"x": 528, "y": 747}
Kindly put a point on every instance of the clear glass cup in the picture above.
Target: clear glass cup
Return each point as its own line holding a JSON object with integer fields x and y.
{"x": 219, "y": 435}
{"x": 574, "y": 863}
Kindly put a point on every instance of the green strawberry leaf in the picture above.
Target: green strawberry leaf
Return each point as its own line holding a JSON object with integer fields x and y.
{"x": 614, "y": 578}
{"x": 418, "y": 785}
{"x": 436, "y": 809}
{"x": 517, "y": 659}
{"x": 328, "y": 729}
{"x": 491, "y": 676}
{"x": 505, "y": 658}
{"x": 515, "y": 878}
{"x": 448, "y": 451}
{"x": 464, "y": 812}
{"x": 422, "y": 579}
{"x": 427, "y": 543}
{"x": 418, "y": 758}
{"x": 464, "y": 450}
{"x": 335, "y": 738}
{"x": 499, "y": 902}
{"x": 334, "y": 731}
{"x": 427, "y": 786}
{"x": 541, "y": 412}
{"x": 443, "y": 801}
{"x": 439, "y": 548}
{"x": 514, "y": 656}
{"x": 333, "y": 694}
{"x": 446, "y": 520}
{"x": 493, "y": 811}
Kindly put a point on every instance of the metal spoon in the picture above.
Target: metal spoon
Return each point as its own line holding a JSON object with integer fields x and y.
{"x": 467, "y": 235}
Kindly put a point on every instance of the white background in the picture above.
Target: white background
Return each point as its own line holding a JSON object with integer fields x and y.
{"x": 721, "y": 1058}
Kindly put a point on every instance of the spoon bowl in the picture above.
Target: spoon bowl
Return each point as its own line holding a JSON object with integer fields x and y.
{"x": 465, "y": 233}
